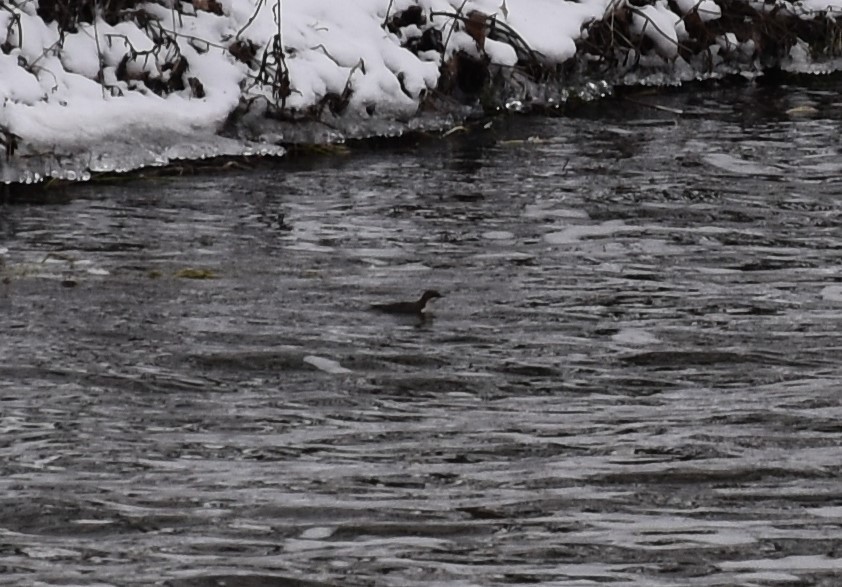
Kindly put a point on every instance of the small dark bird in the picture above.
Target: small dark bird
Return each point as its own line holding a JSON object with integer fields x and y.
{"x": 416, "y": 308}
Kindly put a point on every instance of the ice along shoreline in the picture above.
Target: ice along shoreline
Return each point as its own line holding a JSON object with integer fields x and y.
{"x": 125, "y": 84}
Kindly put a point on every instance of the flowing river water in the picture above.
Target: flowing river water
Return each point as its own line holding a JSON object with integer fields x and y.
{"x": 634, "y": 377}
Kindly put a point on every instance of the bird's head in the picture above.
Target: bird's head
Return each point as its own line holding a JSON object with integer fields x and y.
{"x": 429, "y": 295}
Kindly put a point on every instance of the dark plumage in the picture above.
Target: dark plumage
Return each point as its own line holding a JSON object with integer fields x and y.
{"x": 408, "y": 307}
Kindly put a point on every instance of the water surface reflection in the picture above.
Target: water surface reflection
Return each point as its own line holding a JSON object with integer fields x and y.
{"x": 632, "y": 378}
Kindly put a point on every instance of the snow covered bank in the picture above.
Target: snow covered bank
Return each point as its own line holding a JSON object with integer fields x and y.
{"x": 121, "y": 84}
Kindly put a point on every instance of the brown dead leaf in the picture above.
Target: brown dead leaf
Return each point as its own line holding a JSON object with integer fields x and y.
{"x": 211, "y": 6}
{"x": 477, "y": 27}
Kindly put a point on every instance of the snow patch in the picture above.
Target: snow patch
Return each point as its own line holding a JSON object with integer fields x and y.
{"x": 658, "y": 23}
{"x": 706, "y": 9}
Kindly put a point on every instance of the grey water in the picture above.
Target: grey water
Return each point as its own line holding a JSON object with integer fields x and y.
{"x": 633, "y": 377}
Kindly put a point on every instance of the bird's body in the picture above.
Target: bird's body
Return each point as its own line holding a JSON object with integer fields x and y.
{"x": 416, "y": 308}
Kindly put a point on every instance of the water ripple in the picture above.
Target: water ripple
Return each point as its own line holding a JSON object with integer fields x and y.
{"x": 632, "y": 378}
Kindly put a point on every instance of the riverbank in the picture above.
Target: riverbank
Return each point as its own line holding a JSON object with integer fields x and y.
{"x": 131, "y": 85}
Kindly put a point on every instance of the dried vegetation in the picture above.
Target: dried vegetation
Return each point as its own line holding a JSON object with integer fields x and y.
{"x": 759, "y": 36}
